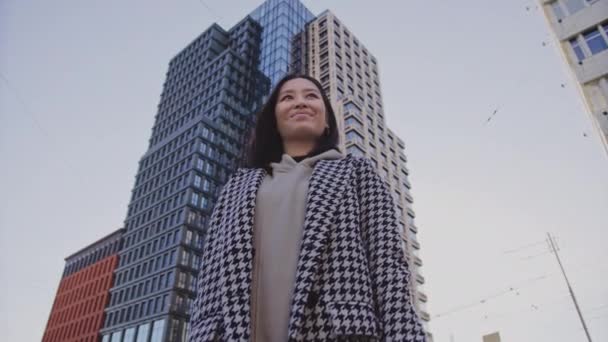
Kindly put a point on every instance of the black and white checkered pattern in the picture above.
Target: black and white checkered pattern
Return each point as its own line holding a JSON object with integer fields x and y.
{"x": 351, "y": 279}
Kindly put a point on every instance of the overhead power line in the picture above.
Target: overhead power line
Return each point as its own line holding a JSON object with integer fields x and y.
{"x": 211, "y": 10}
{"x": 34, "y": 118}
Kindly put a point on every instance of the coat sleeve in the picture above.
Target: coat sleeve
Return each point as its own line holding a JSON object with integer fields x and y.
{"x": 204, "y": 304}
{"x": 388, "y": 265}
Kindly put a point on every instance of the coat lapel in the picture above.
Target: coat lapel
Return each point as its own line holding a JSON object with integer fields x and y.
{"x": 325, "y": 191}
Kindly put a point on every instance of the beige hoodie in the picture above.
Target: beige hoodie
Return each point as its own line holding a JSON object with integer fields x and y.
{"x": 279, "y": 220}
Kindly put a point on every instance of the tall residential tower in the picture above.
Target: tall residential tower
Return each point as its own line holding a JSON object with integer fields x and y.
{"x": 348, "y": 71}
{"x": 581, "y": 29}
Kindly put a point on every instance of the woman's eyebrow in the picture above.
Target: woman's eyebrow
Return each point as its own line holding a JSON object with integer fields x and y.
{"x": 292, "y": 91}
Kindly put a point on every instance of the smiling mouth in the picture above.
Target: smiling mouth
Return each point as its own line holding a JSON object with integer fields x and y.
{"x": 299, "y": 114}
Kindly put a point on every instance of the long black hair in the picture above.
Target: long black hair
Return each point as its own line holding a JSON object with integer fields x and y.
{"x": 265, "y": 143}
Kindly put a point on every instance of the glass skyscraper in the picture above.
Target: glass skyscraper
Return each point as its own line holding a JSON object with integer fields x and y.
{"x": 281, "y": 20}
{"x": 212, "y": 88}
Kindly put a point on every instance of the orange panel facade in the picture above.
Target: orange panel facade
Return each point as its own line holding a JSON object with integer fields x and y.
{"x": 78, "y": 310}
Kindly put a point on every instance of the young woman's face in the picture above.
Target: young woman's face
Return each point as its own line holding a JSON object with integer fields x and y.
{"x": 300, "y": 111}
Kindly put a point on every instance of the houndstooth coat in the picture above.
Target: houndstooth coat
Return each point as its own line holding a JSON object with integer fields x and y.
{"x": 351, "y": 278}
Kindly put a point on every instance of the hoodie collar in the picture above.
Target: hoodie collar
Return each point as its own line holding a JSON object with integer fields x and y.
{"x": 287, "y": 162}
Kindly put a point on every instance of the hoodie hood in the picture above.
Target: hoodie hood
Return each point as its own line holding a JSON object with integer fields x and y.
{"x": 287, "y": 163}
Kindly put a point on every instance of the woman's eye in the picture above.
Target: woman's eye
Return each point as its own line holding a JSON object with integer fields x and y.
{"x": 287, "y": 97}
{"x": 314, "y": 96}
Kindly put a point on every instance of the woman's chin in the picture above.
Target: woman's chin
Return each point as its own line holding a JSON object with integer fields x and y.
{"x": 304, "y": 131}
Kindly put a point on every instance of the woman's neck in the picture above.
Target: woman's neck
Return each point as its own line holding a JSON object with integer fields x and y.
{"x": 298, "y": 149}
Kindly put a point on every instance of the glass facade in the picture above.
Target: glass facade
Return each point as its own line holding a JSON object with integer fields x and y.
{"x": 212, "y": 89}
{"x": 281, "y": 21}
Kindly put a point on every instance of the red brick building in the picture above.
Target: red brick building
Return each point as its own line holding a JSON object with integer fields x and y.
{"x": 78, "y": 310}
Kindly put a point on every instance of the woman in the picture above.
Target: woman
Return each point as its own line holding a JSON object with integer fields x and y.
{"x": 303, "y": 244}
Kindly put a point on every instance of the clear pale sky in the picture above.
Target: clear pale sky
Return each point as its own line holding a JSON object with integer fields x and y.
{"x": 85, "y": 79}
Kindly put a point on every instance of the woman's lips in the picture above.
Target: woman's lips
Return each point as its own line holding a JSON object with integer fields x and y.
{"x": 299, "y": 115}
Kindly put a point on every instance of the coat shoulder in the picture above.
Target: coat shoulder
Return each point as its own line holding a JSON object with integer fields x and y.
{"x": 361, "y": 164}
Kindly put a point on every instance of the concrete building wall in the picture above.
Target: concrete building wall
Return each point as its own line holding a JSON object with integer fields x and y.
{"x": 581, "y": 32}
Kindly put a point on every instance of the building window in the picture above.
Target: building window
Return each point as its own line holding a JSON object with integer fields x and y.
{"x": 354, "y": 137}
{"x": 129, "y": 335}
{"x": 158, "y": 330}
{"x": 117, "y": 336}
{"x": 185, "y": 259}
{"x": 143, "y": 332}
{"x": 355, "y": 151}
{"x": 557, "y": 10}
{"x": 574, "y": 6}
{"x": 578, "y": 51}
{"x": 181, "y": 280}
{"x": 196, "y": 261}
{"x": 209, "y": 169}
{"x": 351, "y": 107}
{"x": 595, "y": 41}
{"x": 197, "y": 181}
{"x": 353, "y": 122}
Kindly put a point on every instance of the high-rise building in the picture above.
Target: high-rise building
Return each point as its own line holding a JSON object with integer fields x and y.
{"x": 213, "y": 88}
{"x": 348, "y": 71}
{"x": 78, "y": 310}
{"x": 281, "y": 21}
{"x": 581, "y": 30}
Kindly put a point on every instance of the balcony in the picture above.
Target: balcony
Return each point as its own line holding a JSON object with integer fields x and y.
{"x": 592, "y": 67}
{"x": 417, "y": 261}
{"x": 423, "y": 297}
{"x": 572, "y": 24}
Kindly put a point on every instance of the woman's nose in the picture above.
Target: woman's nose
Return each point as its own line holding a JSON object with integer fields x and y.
{"x": 299, "y": 103}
